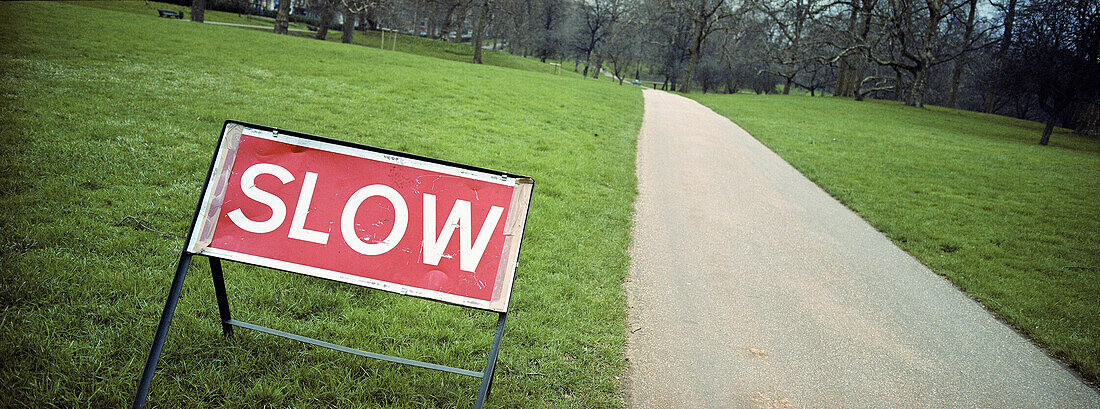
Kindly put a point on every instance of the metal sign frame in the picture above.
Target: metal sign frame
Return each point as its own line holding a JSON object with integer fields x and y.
{"x": 223, "y": 302}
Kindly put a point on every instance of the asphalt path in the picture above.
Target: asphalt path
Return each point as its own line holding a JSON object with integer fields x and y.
{"x": 253, "y": 26}
{"x": 753, "y": 288}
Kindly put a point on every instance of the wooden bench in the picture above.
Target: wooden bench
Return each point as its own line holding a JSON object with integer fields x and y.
{"x": 170, "y": 13}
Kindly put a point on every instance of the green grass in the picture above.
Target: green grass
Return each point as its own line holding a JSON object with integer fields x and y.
{"x": 116, "y": 117}
{"x": 462, "y": 52}
{"x": 149, "y": 8}
{"x": 973, "y": 196}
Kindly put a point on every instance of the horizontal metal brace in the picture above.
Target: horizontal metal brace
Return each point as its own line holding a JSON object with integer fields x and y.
{"x": 354, "y": 351}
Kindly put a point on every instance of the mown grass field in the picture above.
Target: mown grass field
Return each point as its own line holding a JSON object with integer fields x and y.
{"x": 149, "y": 8}
{"x": 462, "y": 52}
{"x": 973, "y": 196}
{"x": 108, "y": 122}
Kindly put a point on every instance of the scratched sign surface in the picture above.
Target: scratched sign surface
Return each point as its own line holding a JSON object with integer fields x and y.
{"x": 362, "y": 216}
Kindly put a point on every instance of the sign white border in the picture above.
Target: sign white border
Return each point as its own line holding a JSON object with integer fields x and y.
{"x": 214, "y": 192}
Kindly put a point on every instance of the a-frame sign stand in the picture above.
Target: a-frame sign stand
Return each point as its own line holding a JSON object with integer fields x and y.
{"x": 228, "y": 322}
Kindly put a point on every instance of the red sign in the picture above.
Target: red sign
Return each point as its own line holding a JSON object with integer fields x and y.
{"x": 363, "y": 216}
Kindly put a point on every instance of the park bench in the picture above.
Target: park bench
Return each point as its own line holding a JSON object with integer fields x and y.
{"x": 170, "y": 13}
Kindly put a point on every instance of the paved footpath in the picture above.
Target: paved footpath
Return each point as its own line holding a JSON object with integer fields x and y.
{"x": 253, "y": 26}
{"x": 752, "y": 287}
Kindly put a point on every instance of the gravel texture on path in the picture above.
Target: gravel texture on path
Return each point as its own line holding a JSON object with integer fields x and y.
{"x": 752, "y": 287}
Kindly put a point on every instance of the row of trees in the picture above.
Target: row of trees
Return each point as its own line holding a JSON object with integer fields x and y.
{"x": 1034, "y": 59}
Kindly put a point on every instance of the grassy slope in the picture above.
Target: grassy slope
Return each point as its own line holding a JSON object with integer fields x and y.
{"x": 973, "y": 196}
{"x": 405, "y": 43}
{"x": 442, "y": 49}
{"x": 116, "y": 117}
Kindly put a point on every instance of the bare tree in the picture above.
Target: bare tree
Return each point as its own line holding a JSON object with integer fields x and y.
{"x": 447, "y": 11}
{"x": 740, "y": 51}
{"x": 791, "y": 51}
{"x": 596, "y": 20}
{"x": 956, "y": 72}
{"x": 915, "y": 31}
{"x": 666, "y": 42}
{"x": 622, "y": 46}
{"x": 706, "y": 17}
{"x": 1005, "y": 43}
{"x": 351, "y": 10}
{"x": 914, "y": 27}
{"x": 1056, "y": 58}
{"x": 853, "y": 41}
{"x": 326, "y": 11}
{"x": 349, "y": 17}
{"x": 479, "y": 28}
{"x": 518, "y": 20}
{"x": 550, "y": 16}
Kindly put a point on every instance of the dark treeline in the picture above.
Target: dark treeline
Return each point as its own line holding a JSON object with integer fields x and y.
{"x": 1031, "y": 59}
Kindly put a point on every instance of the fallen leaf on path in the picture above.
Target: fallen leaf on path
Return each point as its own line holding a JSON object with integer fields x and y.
{"x": 758, "y": 352}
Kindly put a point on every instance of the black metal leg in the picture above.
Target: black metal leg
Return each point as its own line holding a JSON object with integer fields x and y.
{"x": 223, "y": 300}
{"x": 487, "y": 376}
{"x": 162, "y": 330}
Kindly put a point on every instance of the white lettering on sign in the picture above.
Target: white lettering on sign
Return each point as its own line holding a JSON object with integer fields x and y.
{"x": 471, "y": 249}
{"x": 298, "y": 223}
{"x": 278, "y": 208}
{"x": 400, "y": 220}
{"x": 469, "y": 254}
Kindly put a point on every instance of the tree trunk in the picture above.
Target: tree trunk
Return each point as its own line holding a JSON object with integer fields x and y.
{"x": 1086, "y": 121}
{"x": 482, "y": 14}
{"x": 596, "y": 68}
{"x": 326, "y": 20}
{"x": 349, "y": 27}
{"x": 845, "y": 78}
{"x": 953, "y": 99}
{"x": 850, "y": 72}
{"x": 1006, "y": 41}
{"x": 282, "y": 20}
{"x": 198, "y": 10}
{"x": 697, "y": 44}
{"x": 787, "y": 87}
{"x": 1047, "y": 131}
{"x": 915, "y": 96}
{"x": 929, "y": 41}
{"x": 988, "y": 99}
{"x": 445, "y": 26}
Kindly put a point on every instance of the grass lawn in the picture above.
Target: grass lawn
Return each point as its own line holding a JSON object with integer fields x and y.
{"x": 405, "y": 43}
{"x": 973, "y": 196}
{"x": 107, "y": 128}
{"x": 149, "y": 8}
{"x": 461, "y": 52}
